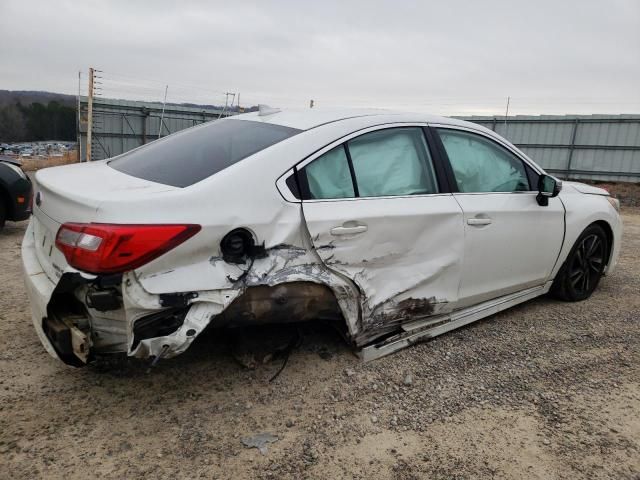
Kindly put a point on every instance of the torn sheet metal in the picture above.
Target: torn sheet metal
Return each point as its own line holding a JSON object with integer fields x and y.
{"x": 289, "y": 302}
{"x": 375, "y": 282}
{"x": 286, "y": 265}
{"x": 406, "y": 262}
{"x": 287, "y": 256}
{"x": 197, "y": 318}
{"x": 378, "y": 280}
{"x": 202, "y": 309}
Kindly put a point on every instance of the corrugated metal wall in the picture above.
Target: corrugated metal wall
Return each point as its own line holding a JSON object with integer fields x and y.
{"x": 121, "y": 125}
{"x": 590, "y": 147}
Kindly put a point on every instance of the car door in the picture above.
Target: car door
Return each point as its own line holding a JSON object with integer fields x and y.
{"x": 378, "y": 213}
{"x": 511, "y": 242}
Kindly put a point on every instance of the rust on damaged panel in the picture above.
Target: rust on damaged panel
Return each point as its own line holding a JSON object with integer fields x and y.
{"x": 283, "y": 303}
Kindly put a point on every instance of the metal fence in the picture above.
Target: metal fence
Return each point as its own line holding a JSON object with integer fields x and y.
{"x": 588, "y": 147}
{"x": 121, "y": 125}
{"x": 591, "y": 147}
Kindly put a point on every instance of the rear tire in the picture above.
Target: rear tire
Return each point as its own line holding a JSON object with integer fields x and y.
{"x": 3, "y": 214}
{"x": 584, "y": 266}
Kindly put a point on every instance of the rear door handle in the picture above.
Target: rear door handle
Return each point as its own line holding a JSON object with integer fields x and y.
{"x": 351, "y": 230}
{"x": 478, "y": 221}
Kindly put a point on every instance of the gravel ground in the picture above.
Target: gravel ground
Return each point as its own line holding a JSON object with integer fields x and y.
{"x": 544, "y": 390}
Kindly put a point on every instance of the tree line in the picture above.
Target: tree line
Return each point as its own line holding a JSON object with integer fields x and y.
{"x": 37, "y": 121}
{"x": 27, "y": 115}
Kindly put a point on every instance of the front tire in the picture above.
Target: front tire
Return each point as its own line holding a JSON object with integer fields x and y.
{"x": 581, "y": 272}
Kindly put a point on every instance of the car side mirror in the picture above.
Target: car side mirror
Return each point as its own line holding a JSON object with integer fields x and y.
{"x": 548, "y": 187}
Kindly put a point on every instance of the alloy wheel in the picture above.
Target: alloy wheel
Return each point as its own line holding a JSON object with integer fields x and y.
{"x": 587, "y": 264}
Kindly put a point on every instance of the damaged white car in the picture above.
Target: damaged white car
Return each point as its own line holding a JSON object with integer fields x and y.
{"x": 399, "y": 227}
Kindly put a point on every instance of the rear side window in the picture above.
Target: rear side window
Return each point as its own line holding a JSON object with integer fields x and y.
{"x": 329, "y": 176}
{"x": 390, "y": 162}
{"x": 192, "y": 155}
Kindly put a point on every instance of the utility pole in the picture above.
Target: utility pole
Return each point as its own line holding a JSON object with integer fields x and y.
{"x": 89, "y": 116}
{"x": 226, "y": 103}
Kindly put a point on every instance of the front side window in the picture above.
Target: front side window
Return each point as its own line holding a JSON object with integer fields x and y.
{"x": 390, "y": 162}
{"x": 480, "y": 165}
{"x": 194, "y": 154}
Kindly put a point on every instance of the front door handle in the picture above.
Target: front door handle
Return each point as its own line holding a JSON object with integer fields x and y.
{"x": 348, "y": 230}
{"x": 478, "y": 221}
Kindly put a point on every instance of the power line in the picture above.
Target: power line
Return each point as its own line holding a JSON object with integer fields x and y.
{"x": 131, "y": 87}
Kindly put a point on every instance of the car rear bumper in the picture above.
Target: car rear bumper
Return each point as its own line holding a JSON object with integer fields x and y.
{"x": 39, "y": 288}
{"x": 65, "y": 341}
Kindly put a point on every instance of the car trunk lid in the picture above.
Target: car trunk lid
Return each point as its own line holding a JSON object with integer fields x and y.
{"x": 74, "y": 193}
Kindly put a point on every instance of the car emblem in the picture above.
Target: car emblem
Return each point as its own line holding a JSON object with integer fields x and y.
{"x": 38, "y": 198}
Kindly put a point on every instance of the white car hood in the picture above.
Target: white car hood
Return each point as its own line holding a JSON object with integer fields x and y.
{"x": 584, "y": 188}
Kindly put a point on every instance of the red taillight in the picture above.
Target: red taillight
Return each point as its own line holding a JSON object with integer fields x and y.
{"x": 109, "y": 248}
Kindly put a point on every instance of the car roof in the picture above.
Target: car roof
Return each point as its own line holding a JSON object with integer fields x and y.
{"x": 305, "y": 119}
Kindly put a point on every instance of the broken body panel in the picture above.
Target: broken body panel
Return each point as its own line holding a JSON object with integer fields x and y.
{"x": 407, "y": 269}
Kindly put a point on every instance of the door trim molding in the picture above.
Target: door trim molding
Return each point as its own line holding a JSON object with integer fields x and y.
{"x": 432, "y": 327}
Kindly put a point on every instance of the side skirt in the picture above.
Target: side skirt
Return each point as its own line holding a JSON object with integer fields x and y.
{"x": 432, "y": 327}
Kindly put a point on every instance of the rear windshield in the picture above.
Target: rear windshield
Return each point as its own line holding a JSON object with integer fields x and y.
{"x": 192, "y": 155}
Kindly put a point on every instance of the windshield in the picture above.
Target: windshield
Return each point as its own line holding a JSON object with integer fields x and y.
{"x": 192, "y": 155}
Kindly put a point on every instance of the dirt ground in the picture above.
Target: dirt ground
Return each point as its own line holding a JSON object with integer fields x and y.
{"x": 545, "y": 390}
{"x": 31, "y": 164}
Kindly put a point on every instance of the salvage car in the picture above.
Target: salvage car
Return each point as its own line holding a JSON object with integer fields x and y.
{"x": 15, "y": 192}
{"x": 397, "y": 226}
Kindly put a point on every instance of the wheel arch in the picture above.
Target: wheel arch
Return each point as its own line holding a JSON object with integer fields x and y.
{"x": 560, "y": 287}
{"x": 610, "y": 238}
{"x": 5, "y": 199}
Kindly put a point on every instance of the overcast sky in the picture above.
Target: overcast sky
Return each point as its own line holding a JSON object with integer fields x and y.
{"x": 549, "y": 56}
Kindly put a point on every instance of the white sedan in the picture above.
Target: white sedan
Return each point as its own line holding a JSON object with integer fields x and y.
{"x": 397, "y": 226}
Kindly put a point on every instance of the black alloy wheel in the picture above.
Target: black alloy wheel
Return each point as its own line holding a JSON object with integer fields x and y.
{"x": 584, "y": 266}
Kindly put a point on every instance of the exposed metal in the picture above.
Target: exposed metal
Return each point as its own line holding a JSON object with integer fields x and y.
{"x": 122, "y": 125}
{"x": 283, "y": 303}
{"x": 424, "y": 329}
{"x": 587, "y": 147}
